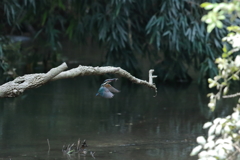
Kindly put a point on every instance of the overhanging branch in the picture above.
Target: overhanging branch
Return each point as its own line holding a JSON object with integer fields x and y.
{"x": 20, "y": 84}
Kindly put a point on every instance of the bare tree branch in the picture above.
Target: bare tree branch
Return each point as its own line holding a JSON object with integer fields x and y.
{"x": 231, "y": 95}
{"x": 20, "y": 84}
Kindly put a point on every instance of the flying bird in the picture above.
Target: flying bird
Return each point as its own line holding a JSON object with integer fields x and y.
{"x": 106, "y": 90}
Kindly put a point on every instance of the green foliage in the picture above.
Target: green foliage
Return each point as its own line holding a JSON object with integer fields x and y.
{"x": 175, "y": 29}
{"x": 172, "y": 27}
{"x": 22, "y": 17}
{"x": 228, "y": 70}
{"x": 223, "y": 133}
{"x": 217, "y": 14}
{"x": 166, "y": 31}
{"x": 228, "y": 67}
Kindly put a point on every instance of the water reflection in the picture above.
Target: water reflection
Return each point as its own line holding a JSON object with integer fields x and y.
{"x": 132, "y": 125}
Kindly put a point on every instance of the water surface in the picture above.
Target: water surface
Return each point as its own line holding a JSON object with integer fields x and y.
{"x": 133, "y": 125}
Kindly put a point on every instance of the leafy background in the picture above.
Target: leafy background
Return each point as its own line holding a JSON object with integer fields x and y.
{"x": 168, "y": 34}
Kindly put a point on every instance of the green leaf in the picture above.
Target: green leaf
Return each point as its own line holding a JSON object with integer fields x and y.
{"x": 210, "y": 80}
{"x": 204, "y": 18}
{"x": 225, "y": 90}
{"x": 234, "y": 28}
{"x": 44, "y": 17}
{"x": 151, "y": 23}
{"x": 235, "y": 77}
{"x": 224, "y": 49}
{"x": 209, "y": 20}
{"x": 152, "y": 38}
{"x": 69, "y": 30}
{"x": 213, "y": 84}
{"x": 207, "y": 5}
{"x": 61, "y": 5}
{"x": 219, "y": 24}
{"x": 221, "y": 17}
{"x": 36, "y": 35}
{"x": 210, "y": 27}
{"x": 212, "y": 105}
{"x": 224, "y": 55}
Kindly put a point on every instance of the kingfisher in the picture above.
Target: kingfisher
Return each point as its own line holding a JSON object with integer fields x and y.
{"x": 106, "y": 90}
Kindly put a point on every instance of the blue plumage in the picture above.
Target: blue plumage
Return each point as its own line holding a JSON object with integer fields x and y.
{"x": 106, "y": 90}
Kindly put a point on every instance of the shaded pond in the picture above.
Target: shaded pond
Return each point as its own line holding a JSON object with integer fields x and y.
{"x": 133, "y": 125}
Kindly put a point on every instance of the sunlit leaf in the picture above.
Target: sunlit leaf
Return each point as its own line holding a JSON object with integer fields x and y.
{"x": 228, "y": 147}
{"x": 225, "y": 90}
{"x": 208, "y": 20}
{"x": 227, "y": 129}
{"x": 196, "y": 150}
{"x": 201, "y": 140}
{"x": 207, "y": 125}
{"x": 218, "y": 129}
{"x": 212, "y": 84}
{"x": 221, "y": 17}
{"x": 211, "y": 130}
{"x": 207, "y": 5}
{"x": 237, "y": 61}
{"x": 235, "y": 77}
{"x": 210, "y": 27}
{"x": 219, "y": 24}
{"x": 203, "y": 154}
{"x": 210, "y": 80}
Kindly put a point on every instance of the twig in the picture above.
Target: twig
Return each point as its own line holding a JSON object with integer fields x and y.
{"x": 236, "y": 147}
{"x": 232, "y": 95}
{"x": 78, "y": 144}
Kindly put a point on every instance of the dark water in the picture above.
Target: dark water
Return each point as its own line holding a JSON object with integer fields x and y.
{"x": 133, "y": 125}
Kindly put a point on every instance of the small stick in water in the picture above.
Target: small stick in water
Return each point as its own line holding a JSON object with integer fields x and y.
{"x": 92, "y": 154}
{"x": 78, "y": 145}
{"x": 48, "y": 145}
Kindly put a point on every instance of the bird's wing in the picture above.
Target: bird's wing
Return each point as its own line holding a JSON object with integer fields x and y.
{"x": 106, "y": 93}
{"x": 111, "y": 88}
